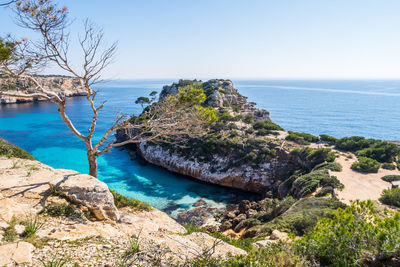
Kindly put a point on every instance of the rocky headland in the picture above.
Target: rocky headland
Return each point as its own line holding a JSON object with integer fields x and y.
{"x": 67, "y": 86}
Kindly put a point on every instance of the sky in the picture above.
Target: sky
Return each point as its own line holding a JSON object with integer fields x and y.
{"x": 241, "y": 39}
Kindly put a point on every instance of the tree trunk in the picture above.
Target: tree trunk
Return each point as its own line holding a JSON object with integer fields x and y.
{"x": 92, "y": 159}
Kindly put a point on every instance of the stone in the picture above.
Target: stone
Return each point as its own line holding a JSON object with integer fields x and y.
{"x": 19, "y": 229}
{"x": 226, "y": 225}
{"x": 244, "y": 206}
{"x": 251, "y": 213}
{"x": 88, "y": 191}
{"x": 3, "y": 225}
{"x": 199, "y": 203}
{"x": 252, "y": 232}
{"x": 23, "y": 253}
{"x": 6, "y": 253}
{"x": 277, "y": 235}
{"x": 238, "y": 219}
{"x": 240, "y": 226}
{"x": 230, "y": 215}
{"x": 211, "y": 225}
{"x": 263, "y": 243}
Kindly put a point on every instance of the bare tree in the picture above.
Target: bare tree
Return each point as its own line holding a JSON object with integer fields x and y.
{"x": 172, "y": 116}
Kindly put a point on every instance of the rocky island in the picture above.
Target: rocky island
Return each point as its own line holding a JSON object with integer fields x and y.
{"x": 68, "y": 86}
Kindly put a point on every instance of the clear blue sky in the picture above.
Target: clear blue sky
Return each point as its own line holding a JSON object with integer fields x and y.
{"x": 244, "y": 38}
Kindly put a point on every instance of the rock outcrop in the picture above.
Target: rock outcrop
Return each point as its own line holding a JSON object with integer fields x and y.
{"x": 67, "y": 86}
{"x": 88, "y": 191}
{"x": 27, "y": 190}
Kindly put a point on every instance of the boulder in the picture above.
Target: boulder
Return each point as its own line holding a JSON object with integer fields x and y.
{"x": 251, "y": 213}
{"x": 238, "y": 219}
{"x": 90, "y": 192}
{"x": 226, "y": 225}
{"x": 277, "y": 235}
{"x": 19, "y": 253}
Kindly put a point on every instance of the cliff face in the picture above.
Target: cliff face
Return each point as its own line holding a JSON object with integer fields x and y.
{"x": 67, "y": 85}
{"x": 243, "y": 149}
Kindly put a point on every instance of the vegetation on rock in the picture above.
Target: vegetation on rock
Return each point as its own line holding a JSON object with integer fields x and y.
{"x": 11, "y": 151}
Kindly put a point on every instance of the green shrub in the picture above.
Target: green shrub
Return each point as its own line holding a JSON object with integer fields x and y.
{"x": 312, "y": 157}
{"x": 355, "y": 236}
{"x": 388, "y": 166}
{"x": 303, "y": 215}
{"x": 192, "y": 228}
{"x": 333, "y": 166}
{"x": 301, "y": 138}
{"x": 31, "y": 227}
{"x": 121, "y": 201}
{"x": 59, "y": 209}
{"x": 308, "y": 183}
{"x": 366, "y": 165}
{"x": 378, "y": 150}
{"x": 391, "y": 178}
{"x": 329, "y": 139}
{"x": 266, "y": 125}
{"x": 248, "y": 119}
{"x": 12, "y": 151}
{"x": 391, "y": 197}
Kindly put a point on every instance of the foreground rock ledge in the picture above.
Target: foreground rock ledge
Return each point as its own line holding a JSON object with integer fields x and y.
{"x": 25, "y": 190}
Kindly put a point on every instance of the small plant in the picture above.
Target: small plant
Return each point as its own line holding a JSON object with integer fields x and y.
{"x": 388, "y": 166}
{"x": 391, "y": 197}
{"x": 366, "y": 165}
{"x": 59, "y": 209}
{"x": 55, "y": 262}
{"x": 121, "y": 201}
{"x": 134, "y": 244}
{"x": 31, "y": 227}
{"x": 192, "y": 228}
{"x": 15, "y": 165}
{"x": 32, "y": 168}
{"x": 391, "y": 178}
{"x": 9, "y": 233}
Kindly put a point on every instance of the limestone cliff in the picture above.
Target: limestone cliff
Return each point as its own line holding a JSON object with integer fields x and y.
{"x": 60, "y": 84}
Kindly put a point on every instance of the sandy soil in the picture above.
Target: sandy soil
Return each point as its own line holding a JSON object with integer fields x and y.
{"x": 357, "y": 185}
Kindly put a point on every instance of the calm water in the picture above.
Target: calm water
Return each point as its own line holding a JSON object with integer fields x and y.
{"x": 339, "y": 108}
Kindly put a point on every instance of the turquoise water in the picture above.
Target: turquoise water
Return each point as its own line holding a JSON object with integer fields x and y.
{"x": 339, "y": 108}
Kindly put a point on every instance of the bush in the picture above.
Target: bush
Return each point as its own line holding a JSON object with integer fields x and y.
{"x": 391, "y": 197}
{"x": 312, "y": 157}
{"x": 308, "y": 183}
{"x": 391, "y": 178}
{"x": 59, "y": 209}
{"x": 355, "y": 236}
{"x": 301, "y": 138}
{"x": 376, "y": 149}
{"x": 366, "y": 165}
{"x": 121, "y": 201}
{"x": 333, "y": 166}
{"x": 328, "y": 139}
{"x": 303, "y": 215}
{"x": 388, "y": 166}
{"x": 11, "y": 151}
{"x": 267, "y": 125}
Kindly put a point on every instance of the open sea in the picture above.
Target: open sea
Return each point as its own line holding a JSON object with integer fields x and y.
{"x": 338, "y": 108}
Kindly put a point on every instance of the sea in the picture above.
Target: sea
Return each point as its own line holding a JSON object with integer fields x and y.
{"x": 369, "y": 108}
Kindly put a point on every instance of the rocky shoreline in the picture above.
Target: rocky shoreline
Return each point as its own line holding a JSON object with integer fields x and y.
{"x": 68, "y": 86}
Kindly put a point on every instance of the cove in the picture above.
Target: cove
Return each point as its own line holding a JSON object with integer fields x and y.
{"x": 339, "y": 108}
